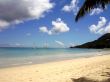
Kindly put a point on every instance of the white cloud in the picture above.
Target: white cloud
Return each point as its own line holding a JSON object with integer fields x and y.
{"x": 94, "y": 28}
{"x": 58, "y": 26}
{"x": 17, "y": 45}
{"x": 107, "y": 29}
{"x": 96, "y": 11}
{"x": 43, "y": 29}
{"x": 59, "y": 43}
{"x": 17, "y": 11}
{"x": 100, "y": 31}
{"x": 73, "y": 6}
{"x": 101, "y": 28}
{"x": 3, "y": 25}
{"x": 18, "y": 21}
{"x": 28, "y": 34}
{"x": 72, "y": 44}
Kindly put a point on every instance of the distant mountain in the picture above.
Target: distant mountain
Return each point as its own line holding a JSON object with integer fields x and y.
{"x": 102, "y": 42}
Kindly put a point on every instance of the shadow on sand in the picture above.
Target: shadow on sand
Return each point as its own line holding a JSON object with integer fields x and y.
{"x": 83, "y": 79}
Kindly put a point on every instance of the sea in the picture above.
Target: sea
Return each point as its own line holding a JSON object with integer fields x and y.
{"x": 10, "y": 57}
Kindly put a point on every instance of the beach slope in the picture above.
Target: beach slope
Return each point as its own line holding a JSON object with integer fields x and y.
{"x": 78, "y": 70}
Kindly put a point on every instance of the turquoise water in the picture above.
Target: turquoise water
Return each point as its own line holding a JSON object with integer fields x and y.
{"x": 22, "y": 56}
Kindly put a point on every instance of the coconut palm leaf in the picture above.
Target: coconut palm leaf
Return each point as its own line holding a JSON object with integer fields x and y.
{"x": 89, "y": 5}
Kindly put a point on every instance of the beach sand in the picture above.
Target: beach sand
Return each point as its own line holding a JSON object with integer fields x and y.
{"x": 77, "y": 70}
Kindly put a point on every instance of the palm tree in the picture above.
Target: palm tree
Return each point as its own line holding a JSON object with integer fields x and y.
{"x": 89, "y": 5}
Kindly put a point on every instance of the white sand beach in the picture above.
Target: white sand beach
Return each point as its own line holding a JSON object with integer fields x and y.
{"x": 94, "y": 68}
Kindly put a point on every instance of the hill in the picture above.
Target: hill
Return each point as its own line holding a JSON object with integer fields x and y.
{"x": 102, "y": 42}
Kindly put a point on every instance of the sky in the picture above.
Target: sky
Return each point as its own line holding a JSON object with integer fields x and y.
{"x": 52, "y": 23}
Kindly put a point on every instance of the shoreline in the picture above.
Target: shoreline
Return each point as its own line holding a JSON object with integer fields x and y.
{"x": 55, "y": 61}
{"x": 83, "y": 55}
{"x": 60, "y": 71}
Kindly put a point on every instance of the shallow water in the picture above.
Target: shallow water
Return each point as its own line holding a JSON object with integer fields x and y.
{"x": 22, "y": 56}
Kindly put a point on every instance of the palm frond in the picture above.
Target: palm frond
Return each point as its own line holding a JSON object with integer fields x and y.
{"x": 89, "y": 5}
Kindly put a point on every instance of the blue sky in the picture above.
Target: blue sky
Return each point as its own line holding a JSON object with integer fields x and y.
{"x": 50, "y": 22}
